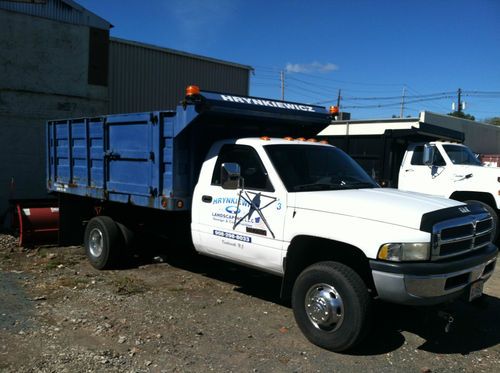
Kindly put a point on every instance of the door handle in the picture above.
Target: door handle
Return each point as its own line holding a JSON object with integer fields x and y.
{"x": 206, "y": 199}
{"x": 409, "y": 170}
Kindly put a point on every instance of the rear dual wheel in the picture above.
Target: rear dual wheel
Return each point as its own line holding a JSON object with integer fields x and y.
{"x": 104, "y": 241}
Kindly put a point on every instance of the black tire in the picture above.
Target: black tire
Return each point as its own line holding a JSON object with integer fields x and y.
{"x": 105, "y": 253}
{"x": 128, "y": 236}
{"x": 354, "y": 307}
{"x": 493, "y": 214}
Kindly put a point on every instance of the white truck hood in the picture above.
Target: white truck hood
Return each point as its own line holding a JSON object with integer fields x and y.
{"x": 379, "y": 204}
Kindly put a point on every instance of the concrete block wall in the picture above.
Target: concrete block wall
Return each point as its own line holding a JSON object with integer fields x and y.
{"x": 43, "y": 75}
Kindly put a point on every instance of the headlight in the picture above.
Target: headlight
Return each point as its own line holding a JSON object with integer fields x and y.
{"x": 401, "y": 252}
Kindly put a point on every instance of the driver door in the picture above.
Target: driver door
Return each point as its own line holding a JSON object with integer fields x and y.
{"x": 418, "y": 177}
{"x": 244, "y": 224}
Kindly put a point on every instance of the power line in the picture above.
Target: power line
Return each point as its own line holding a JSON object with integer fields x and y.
{"x": 396, "y": 103}
{"x": 348, "y": 82}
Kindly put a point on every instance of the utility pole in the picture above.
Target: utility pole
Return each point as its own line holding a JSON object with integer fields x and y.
{"x": 282, "y": 78}
{"x": 459, "y": 109}
{"x": 403, "y": 102}
{"x": 338, "y": 100}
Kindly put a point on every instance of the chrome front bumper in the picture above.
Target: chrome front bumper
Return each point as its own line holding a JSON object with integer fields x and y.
{"x": 424, "y": 284}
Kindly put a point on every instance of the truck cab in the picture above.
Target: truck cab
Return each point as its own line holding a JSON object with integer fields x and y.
{"x": 450, "y": 170}
{"x": 416, "y": 156}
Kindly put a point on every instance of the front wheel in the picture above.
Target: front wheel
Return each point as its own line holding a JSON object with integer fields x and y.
{"x": 331, "y": 305}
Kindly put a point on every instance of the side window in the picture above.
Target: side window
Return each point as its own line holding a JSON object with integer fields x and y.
{"x": 418, "y": 155}
{"x": 417, "y": 158}
{"x": 438, "y": 159}
{"x": 252, "y": 169}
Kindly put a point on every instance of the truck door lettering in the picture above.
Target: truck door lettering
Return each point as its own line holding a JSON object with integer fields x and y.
{"x": 255, "y": 206}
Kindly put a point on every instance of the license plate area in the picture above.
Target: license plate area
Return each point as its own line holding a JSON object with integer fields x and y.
{"x": 476, "y": 290}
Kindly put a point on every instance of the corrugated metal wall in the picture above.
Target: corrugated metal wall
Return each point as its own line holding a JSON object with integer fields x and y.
{"x": 144, "y": 77}
{"x": 57, "y": 10}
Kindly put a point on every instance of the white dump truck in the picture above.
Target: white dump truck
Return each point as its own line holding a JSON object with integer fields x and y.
{"x": 295, "y": 207}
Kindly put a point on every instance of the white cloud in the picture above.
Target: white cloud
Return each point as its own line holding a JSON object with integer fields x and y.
{"x": 199, "y": 22}
{"x": 314, "y": 67}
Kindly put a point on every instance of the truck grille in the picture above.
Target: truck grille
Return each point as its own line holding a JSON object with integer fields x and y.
{"x": 461, "y": 235}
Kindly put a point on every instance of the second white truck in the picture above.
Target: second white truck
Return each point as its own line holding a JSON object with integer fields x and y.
{"x": 419, "y": 157}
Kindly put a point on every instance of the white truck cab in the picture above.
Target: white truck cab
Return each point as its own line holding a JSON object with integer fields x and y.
{"x": 419, "y": 157}
{"x": 306, "y": 211}
{"x": 450, "y": 170}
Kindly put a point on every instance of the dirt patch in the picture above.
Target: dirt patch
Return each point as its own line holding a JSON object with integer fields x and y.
{"x": 188, "y": 313}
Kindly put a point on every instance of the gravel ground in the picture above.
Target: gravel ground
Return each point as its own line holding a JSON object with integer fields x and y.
{"x": 185, "y": 313}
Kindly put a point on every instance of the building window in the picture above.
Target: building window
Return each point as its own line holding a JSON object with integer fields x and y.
{"x": 98, "y": 56}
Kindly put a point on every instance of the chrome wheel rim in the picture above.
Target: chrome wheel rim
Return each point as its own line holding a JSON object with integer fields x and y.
{"x": 324, "y": 307}
{"x": 96, "y": 242}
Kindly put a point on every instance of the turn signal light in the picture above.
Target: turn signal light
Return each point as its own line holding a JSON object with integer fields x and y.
{"x": 334, "y": 110}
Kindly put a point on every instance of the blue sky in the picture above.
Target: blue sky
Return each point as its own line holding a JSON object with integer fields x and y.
{"x": 370, "y": 50}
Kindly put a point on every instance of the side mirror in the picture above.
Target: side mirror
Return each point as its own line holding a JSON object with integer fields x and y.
{"x": 230, "y": 175}
{"x": 428, "y": 155}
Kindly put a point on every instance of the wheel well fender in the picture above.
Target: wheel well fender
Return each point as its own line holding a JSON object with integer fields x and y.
{"x": 304, "y": 251}
{"x": 478, "y": 196}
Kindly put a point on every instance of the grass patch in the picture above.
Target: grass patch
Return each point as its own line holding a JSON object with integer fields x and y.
{"x": 71, "y": 282}
{"x": 60, "y": 260}
{"x": 129, "y": 286}
{"x": 176, "y": 289}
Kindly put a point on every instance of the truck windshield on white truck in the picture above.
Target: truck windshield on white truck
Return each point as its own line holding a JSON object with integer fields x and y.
{"x": 298, "y": 208}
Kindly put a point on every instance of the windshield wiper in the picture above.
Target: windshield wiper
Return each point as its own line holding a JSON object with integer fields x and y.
{"x": 357, "y": 185}
{"x": 314, "y": 186}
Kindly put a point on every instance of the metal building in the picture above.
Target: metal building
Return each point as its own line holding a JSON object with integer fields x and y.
{"x": 58, "y": 61}
{"x": 53, "y": 64}
{"x": 145, "y": 77}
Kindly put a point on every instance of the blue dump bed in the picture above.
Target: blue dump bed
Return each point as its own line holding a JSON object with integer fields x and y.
{"x": 153, "y": 159}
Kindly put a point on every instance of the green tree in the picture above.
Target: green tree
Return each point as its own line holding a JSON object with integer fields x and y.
{"x": 460, "y": 114}
{"x": 494, "y": 120}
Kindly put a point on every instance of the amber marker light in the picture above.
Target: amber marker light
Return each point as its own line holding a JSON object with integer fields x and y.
{"x": 324, "y": 142}
{"x": 288, "y": 138}
{"x": 192, "y": 90}
{"x": 164, "y": 202}
{"x": 301, "y": 139}
{"x": 312, "y": 140}
{"x": 334, "y": 110}
{"x": 265, "y": 138}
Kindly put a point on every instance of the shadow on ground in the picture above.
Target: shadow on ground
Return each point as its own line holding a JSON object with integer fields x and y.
{"x": 15, "y": 307}
{"x": 475, "y": 325}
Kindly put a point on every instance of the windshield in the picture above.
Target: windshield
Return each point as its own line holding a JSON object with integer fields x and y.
{"x": 461, "y": 155}
{"x": 304, "y": 168}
